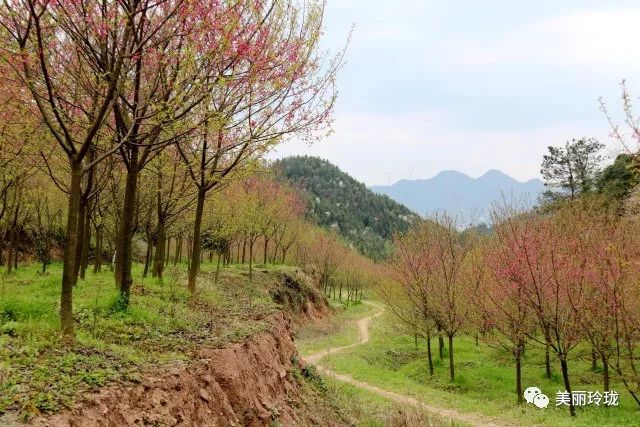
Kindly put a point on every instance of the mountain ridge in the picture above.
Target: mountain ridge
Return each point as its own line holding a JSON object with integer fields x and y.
{"x": 460, "y": 194}
{"x": 339, "y": 202}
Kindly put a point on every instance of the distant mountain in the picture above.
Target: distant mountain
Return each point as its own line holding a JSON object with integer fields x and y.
{"x": 460, "y": 194}
{"x": 337, "y": 201}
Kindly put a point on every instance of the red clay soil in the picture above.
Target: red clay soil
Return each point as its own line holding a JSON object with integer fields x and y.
{"x": 248, "y": 383}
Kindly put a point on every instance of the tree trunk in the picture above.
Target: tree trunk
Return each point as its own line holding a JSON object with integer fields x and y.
{"x": 124, "y": 249}
{"x": 148, "y": 256}
{"x": 266, "y": 248}
{"x": 178, "y": 256}
{"x": 567, "y": 385}
{"x": 97, "y": 261}
{"x": 69, "y": 260}
{"x": 161, "y": 246}
{"x": 547, "y": 361}
{"x": 429, "y": 355}
{"x": 451, "y": 366}
{"x": 440, "y": 345}
{"x": 594, "y": 359}
{"x": 12, "y": 252}
{"x": 167, "y": 252}
{"x": 195, "y": 250}
{"x": 251, "y": 242}
{"x": 82, "y": 216}
{"x": 519, "y": 377}
{"x": 1, "y": 246}
{"x": 605, "y": 372}
{"x": 86, "y": 244}
{"x": 215, "y": 280}
{"x": 244, "y": 249}
{"x": 189, "y": 242}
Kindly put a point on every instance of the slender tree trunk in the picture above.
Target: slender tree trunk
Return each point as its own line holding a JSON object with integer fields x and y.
{"x": 605, "y": 372}
{"x": 215, "y": 280}
{"x": 82, "y": 216}
{"x": 2, "y": 246}
{"x": 594, "y": 359}
{"x": 124, "y": 250}
{"x": 519, "y": 377}
{"x": 266, "y": 248}
{"x": 244, "y": 249}
{"x": 69, "y": 261}
{"x": 251, "y": 242}
{"x": 567, "y": 385}
{"x": 12, "y": 252}
{"x": 429, "y": 355}
{"x": 47, "y": 252}
{"x": 178, "y": 255}
{"x": 148, "y": 255}
{"x": 167, "y": 252}
{"x": 547, "y": 361}
{"x": 440, "y": 344}
{"x": 195, "y": 250}
{"x": 451, "y": 365}
{"x": 161, "y": 246}
{"x": 84, "y": 257}
{"x": 97, "y": 261}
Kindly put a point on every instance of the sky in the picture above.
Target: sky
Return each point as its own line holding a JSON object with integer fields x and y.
{"x": 472, "y": 85}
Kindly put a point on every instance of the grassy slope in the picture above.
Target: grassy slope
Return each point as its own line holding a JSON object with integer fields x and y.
{"x": 162, "y": 325}
{"x": 485, "y": 379}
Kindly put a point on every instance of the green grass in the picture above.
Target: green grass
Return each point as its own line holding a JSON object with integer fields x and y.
{"x": 162, "y": 325}
{"x": 337, "y": 331}
{"x": 485, "y": 379}
{"x": 365, "y": 409}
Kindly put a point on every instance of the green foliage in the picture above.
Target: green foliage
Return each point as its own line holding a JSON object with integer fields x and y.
{"x": 339, "y": 202}
{"x": 618, "y": 179}
{"x": 572, "y": 169}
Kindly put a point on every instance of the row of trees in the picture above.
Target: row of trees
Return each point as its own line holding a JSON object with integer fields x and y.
{"x": 110, "y": 99}
{"x": 560, "y": 280}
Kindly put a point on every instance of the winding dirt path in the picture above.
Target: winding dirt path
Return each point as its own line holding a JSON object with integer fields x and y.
{"x": 363, "y": 337}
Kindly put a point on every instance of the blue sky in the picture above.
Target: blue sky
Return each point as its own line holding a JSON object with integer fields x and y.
{"x": 472, "y": 85}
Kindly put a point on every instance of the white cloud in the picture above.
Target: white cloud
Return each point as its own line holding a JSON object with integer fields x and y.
{"x": 597, "y": 38}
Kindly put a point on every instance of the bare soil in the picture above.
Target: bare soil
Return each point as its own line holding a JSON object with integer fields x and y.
{"x": 250, "y": 383}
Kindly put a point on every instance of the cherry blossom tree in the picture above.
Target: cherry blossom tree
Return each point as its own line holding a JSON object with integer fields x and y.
{"x": 70, "y": 57}
{"x": 272, "y": 82}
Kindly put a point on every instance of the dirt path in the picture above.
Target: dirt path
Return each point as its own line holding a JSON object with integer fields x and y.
{"x": 363, "y": 337}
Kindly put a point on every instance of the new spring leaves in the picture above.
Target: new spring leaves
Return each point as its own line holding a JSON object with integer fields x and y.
{"x": 580, "y": 398}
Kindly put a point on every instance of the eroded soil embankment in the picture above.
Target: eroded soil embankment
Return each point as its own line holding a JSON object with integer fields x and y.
{"x": 249, "y": 383}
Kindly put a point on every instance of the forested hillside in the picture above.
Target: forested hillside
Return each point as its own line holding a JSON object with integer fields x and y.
{"x": 337, "y": 201}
